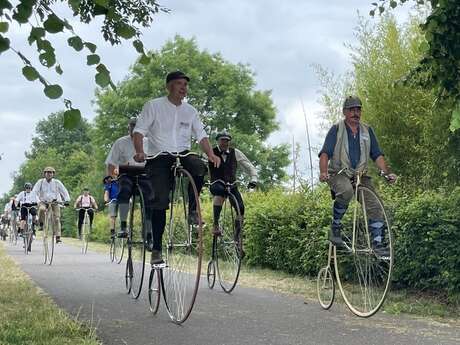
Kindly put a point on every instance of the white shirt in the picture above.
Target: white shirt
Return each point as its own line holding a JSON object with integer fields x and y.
{"x": 122, "y": 152}
{"x": 49, "y": 191}
{"x": 242, "y": 161}
{"x": 169, "y": 127}
{"x": 26, "y": 198}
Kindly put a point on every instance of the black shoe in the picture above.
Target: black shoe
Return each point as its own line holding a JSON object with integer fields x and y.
{"x": 112, "y": 233}
{"x": 156, "y": 257}
{"x": 335, "y": 236}
{"x": 381, "y": 251}
{"x": 193, "y": 218}
{"x": 123, "y": 233}
{"x": 58, "y": 239}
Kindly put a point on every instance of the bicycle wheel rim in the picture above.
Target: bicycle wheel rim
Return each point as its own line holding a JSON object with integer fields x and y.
{"x": 211, "y": 274}
{"x": 45, "y": 241}
{"x": 325, "y": 288}
{"x": 84, "y": 235}
{"x": 128, "y": 275}
{"x": 119, "y": 249}
{"x": 136, "y": 241}
{"x": 184, "y": 250}
{"x": 112, "y": 250}
{"x": 362, "y": 277}
{"x": 154, "y": 290}
{"x": 228, "y": 257}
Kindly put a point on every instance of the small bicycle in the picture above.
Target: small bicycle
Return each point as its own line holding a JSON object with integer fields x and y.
{"x": 362, "y": 275}
{"x": 85, "y": 229}
{"x": 227, "y": 246}
{"x": 117, "y": 244}
{"x": 28, "y": 231}
{"x": 178, "y": 278}
{"x": 49, "y": 235}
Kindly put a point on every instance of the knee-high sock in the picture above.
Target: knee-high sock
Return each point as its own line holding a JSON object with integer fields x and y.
{"x": 158, "y": 221}
{"x": 338, "y": 210}
{"x": 216, "y": 211}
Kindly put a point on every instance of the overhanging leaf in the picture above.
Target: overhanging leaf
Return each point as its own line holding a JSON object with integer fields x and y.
{"x": 72, "y": 118}
{"x": 4, "y": 4}
{"x": 102, "y": 79}
{"x": 144, "y": 59}
{"x": 47, "y": 59}
{"x": 53, "y": 91}
{"x": 103, "y": 3}
{"x": 124, "y": 30}
{"x": 30, "y": 73}
{"x": 36, "y": 34}
{"x": 4, "y": 44}
{"x": 91, "y": 46}
{"x": 53, "y": 24}
{"x": 22, "y": 13}
{"x": 76, "y": 43}
{"x": 139, "y": 46}
{"x": 4, "y": 26}
{"x": 58, "y": 69}
{"x": 92, "y": 59}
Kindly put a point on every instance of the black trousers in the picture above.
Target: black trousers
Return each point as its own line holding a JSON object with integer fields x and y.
{"x": 218, "y": 189}
{"x": 81, "y": 217}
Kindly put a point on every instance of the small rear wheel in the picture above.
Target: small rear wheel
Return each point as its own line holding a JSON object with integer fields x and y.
{"x": 325, "y": 287}
{"x": 154, "y": 290}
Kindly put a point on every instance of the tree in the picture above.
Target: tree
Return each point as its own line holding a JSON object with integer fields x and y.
{"x": 50, "y": 132}
{"x": 413, "y": 130}
{"x": 122, "y": 19}
{"x": 440, "y": 61}
{"x": 223, "y": 94}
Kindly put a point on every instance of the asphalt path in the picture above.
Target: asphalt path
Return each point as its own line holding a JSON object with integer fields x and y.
{"x": 91, "y": 288}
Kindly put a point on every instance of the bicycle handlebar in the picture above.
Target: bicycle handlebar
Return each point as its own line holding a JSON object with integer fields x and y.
{"x": 173, "y": 154}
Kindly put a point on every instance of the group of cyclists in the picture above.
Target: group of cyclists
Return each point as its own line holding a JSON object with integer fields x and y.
{"x": 167, "y": 125}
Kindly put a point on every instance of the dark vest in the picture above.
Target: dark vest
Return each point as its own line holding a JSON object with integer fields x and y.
{"x": 227, "y": 170}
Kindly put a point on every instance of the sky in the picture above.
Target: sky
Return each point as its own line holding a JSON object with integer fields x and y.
{"x": 280, "y": 40}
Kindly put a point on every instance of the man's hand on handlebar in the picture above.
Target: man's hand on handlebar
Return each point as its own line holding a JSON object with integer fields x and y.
{"x": 214, "y": 159}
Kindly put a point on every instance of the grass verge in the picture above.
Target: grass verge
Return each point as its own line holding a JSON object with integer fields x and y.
{"x": 397, "y": 301}
{"x": 30, "y": 317}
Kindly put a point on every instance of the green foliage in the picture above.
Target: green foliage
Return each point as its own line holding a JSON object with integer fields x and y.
{"x": 223, "y": 94}
{"x": 438, "y": 66}
{"x": 121, "y": 21}
{"x": 426, "y": 227}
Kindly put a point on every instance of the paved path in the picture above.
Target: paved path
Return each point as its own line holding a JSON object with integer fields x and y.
{"x": 92, "y": 287}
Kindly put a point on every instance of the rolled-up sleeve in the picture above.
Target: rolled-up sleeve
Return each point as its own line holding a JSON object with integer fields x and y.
{"x": 145, "y": 119}
{"x": 329, "y": 142}
{"x": 198, "y": 129}
{"x": 113, "y": 156}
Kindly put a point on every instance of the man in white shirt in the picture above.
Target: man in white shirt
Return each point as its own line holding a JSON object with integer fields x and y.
{"x": 232, "y": 159}
{"x": 47, "y": 190}
{"x": 169, "y": 123}
{"x": 121, "y": 160}
{"x": 85, "y": 203}
{"x": 27, "y": 200}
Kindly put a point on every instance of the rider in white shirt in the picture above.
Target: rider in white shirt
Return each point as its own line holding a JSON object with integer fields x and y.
{"x": 27, "y": 199}
{"x": 47, "y": 190}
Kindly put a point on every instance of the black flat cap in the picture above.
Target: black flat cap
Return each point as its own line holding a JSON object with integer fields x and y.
{"x": 176, "y": 75}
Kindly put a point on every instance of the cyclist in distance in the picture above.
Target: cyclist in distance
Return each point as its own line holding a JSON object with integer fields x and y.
{"x": 169, "y": 123}
{"x": 47, "y": 190}
{"x": 231, "y": 160}
{"x": 110, "y": 198}
{"x": 348, "y": 147}
{"x": 26, "y": 199}
{"x": 88, "y": 203}
{"x": 122, "y": 153}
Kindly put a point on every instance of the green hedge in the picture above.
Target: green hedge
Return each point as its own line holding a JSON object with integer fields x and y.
{"x": 289, "y": 232}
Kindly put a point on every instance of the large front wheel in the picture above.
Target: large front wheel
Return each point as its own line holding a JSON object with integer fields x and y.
{"x": 85, "y": 234}
{"x": 183, "y": 247}
{"x": 229, "y": 244}
{"x": 48, "y": 239}
{"x": 363, "y": 266}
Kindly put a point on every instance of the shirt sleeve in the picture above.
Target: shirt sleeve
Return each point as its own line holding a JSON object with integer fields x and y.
{"x": 146, "y": 119}
{"x": 19, "y": 197}
{"x": 36, "y": 189}
{"x": 63, "y": 191}
{"x": 114, "y": 155}
{"x": 375, "y": 149}
{"x": 329, "y": 142}
{"x": 247, "y": 166}
{"x": 198, "y": 129}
